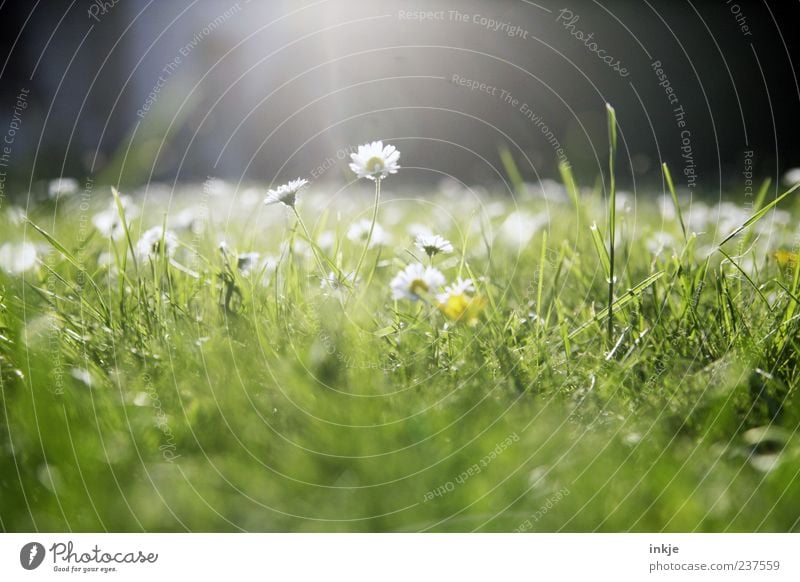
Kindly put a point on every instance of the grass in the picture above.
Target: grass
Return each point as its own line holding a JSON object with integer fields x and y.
{"x": 183, "y": 393}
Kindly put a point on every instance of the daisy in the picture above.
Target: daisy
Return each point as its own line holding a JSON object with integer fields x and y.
{"x": 334, "y": 285}
{"x": 792, "y": 177}
{"x": 326, "y": 240}
{"x": 460, "y": 287}
{"x": 192, "y": 219}
{"x": 149, "y": 245}
{"x": 375, "y": 161}
{"x": 246, "y": 262}
{"x": 415, "y": 281}
{"x": 360, "y": 232}
{"x": 17, "y": 258}
{"x": 62, "y": 187}
{"x": 456, "y": 303}
{"x": 433, "y": 245}
{"x": 659, "y": 242}
{"x": 287, "y": 193}
{"x": 109, "y": 223}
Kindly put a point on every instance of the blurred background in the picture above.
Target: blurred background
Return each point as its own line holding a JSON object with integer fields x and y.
{"x": 136, "y": 91}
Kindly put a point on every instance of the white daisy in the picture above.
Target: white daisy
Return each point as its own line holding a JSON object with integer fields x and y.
{"x": 108, "y": 222}
{"x": 149, "y": 245}
{"x": 326, "y": 240}
{"x": 335, "y": 285}
{"x": 415, "y": 281}
{"x": 460, "y": 287}
{"x": 433, "y": 244}
{"x": 659, "y": 242}
{"x": 792, "y": 177}
{"x": 417, "y": 230}
{"x": 192, "y": 219}
{"x": 246, "y": 262}
{"x": 375, "y": 161}
{"x": 17, "y": 258}
{"x": 359, "y": 232}
{"x": 287, "y": 193}
{"x": 16, "y": 215}
{"x": 62, "y": 187}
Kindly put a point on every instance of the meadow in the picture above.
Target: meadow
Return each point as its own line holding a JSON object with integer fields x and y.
{"x": 544, "y": 357}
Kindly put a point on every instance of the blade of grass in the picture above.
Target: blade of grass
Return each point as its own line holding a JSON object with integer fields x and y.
{"x": 612, "y": 213}
{"x": 671, "y": 186}
{"x": 759, "y": 214}
{"x": 513, "y": 172}
{"x": 569, "y": 183}
{"x": 74, "y": 262}
{"x": 629, "y": 296}
{"x": 600, "y": 247}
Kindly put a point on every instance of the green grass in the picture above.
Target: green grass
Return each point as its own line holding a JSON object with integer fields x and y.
{"x": 167, "y": 395}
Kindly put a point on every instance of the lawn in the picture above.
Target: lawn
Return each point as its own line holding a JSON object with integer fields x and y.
{"x": 305, "y": 366}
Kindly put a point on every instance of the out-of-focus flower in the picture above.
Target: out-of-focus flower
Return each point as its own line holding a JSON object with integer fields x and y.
{"x": 149, "y": 245}
{"x": 660, "y": 241}
{"x": 375, "y": 161}
{"x": 416, "y": 281}
{"x": 109, "y": 223}
{"x": 62, "y": 187}
{"x": 247, "y": 262}
{"x": 335, "y": 285}
{"x": 16, "y": 215}
{"x": 359, "y": 231}
{"x": 287, "y": 193}
{"x": 417, "y": 230}
{"x": 17, "y": 258}
{"x": 518, "y": 229}
{"x": 326, "y": 240}
{"x": 192, "y": 219}
{"x": 458, "y": 305}
{"x": 433, "y": 245}
{"x": 792, "y": 177}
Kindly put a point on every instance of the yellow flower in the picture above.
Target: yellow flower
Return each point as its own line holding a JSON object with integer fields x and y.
{"x": 785, "y": 258}
{"x": 458, "y": 305}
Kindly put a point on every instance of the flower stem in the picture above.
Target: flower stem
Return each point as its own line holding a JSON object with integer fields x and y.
{"x": 371, "y": 229}
{"x": 311, "y": 243}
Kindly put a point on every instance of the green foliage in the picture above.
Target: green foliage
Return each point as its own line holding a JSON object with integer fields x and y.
{"x": 183, "y": 393}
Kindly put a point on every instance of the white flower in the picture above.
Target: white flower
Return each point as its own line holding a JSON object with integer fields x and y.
{"x": 416, "y": 280}
{"x": 518, "y": 229}
{"x": 624, "y": 201}
{"x": 216, "y": 187}
{"x": 17, "y": 258}
{"x": 659, "y": 242}
{"x": 192, "y": 219}
{"x": 334, "y": 285}
{"x": 16, "y": 215}
{"x": 108, "y": 221}
{"x": 286, "y": 194}
{"x": 62, "y": 187}
{"x": 149, "y": 245}
{"x": 792, "y": 177}
{"x": 359, "y": 231}
{"x": 460, "y": 287}
{"x": 374, "y": 161}
{"x": 433, "y": 245}
{"x": 326, "y": 240}
{"x": 417, "y": 230}
{"x": 246, "y": 262}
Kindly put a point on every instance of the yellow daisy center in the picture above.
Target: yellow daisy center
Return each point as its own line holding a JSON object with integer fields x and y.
{"x": 375, "y": 164}
{"x": 418, "y": 286}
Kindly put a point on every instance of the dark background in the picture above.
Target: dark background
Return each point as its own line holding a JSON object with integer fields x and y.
{"x": 279, "y": 87}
